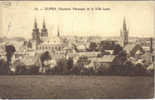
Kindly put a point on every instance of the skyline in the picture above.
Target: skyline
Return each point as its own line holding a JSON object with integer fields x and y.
{"x": 17, "y": 20}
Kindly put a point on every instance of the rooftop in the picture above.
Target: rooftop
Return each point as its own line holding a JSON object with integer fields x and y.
{"x": 105, "y": 58}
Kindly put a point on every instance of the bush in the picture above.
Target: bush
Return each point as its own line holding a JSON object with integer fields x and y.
{"x": 51, "y": 71}
{"x": 33, "y": 69}
{"x": 21, "y": 70}
{"x": 103, "y": 69}
{"x": 4, "y": 67}
{"x": 89, "y": 71}
{"x": 63, "y": 66}
{"x": 77, "y": 69}
{"x": 139, "y": 70}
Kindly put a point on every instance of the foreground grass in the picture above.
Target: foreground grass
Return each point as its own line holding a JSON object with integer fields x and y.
{"x": 48, "y": 86}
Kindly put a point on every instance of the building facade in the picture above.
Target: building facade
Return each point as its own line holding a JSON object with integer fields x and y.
{"x": 41, "y": 42}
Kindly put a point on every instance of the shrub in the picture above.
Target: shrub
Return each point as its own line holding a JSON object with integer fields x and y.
{"x": 103, "y": 69}
{"x": 4, "y": 68}
{"x": 139, "y": 69}
{"x": 51, "y": 71}
{"x": 21, "y": 70}
{"x": 77, "y": 69}
{"x": 63, "y": 66}
{"x": 33, "y": 69}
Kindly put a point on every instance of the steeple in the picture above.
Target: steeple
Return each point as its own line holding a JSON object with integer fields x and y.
{"x": 124, "y": 34}
{"x": 35, "y": 23}
{"x": 35, "y": 33}
{"x": 44, "y": 32}
{"x": 58, "y": 32}
{"x": 44, "y": 25}
{"x": 124, "y": 25}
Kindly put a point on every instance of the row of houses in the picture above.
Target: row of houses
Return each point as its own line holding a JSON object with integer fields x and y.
{"x": 136, "y": 54}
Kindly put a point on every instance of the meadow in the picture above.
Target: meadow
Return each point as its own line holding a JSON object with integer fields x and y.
{"x": 75, "y": 87}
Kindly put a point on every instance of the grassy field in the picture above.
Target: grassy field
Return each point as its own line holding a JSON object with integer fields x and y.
{"x": 48, "y": 86}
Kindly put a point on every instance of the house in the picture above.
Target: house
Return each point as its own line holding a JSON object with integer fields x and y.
{"x": 88, "y": 54}
{"x": 107, "y": 44}
{"x": 110, "y": 51}
{"x": 31, "y": 60}
{"x": 133, "y": 50}
{"x": 70, "y": 48}
{"x": 106, "y": 60}
{"x": 81, "y": 48}
{"x": 78, "y": 55}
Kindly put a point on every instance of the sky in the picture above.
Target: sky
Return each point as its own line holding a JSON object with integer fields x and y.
{"x": 17, "y": 20}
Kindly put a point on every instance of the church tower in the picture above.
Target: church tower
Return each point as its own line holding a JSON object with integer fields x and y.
{"x": 124, "y": 34}
{"x": 35, "y": 33}
{"x": 44, "y": 32}
{"x": 35, "y": 36}
{"x": 58, "y": 32}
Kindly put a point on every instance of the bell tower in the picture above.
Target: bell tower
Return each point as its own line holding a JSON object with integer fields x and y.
{"x": 44, "y": 31}
{"x": 124, "y": 34}
{"x": 35, "y": 33}
{"x": 35, "y": 36}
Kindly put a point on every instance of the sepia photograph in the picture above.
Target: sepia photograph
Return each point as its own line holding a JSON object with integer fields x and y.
{"x": 77, "y": 49}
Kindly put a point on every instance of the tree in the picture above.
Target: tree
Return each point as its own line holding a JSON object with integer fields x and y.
{"x": 69, "y": 63}
{"x": 103, "y": 52}
{"x": 80, "y": 66}
{"x": 10, "y": 50}
{"x": 92, "y": 46}
{"x": 62, "y": 66}
{"x": 117, "y": 49}
{"x": 139, "y": 69}
{"x": 122, "y": 56}
{"x": 45, "y": 56}
{"x": 128, "y": 68}
{"x": 3, "y": 67}
{"x": 29, "y": 45}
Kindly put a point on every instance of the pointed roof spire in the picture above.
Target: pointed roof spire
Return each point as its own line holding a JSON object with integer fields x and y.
{"x": 35, "y": 22}
{"x": 124, "y": 23}
{"x": 58, "y": 34}
{"x": 120, "y": 31}
{"x": 44, "y": 25}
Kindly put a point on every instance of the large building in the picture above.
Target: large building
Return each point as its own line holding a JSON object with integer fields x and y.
{"x": 124, "y": 34}
{"x": 41, "y": 42}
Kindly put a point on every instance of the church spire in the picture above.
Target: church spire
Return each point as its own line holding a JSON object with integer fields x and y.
{"x": 44, "y": 31}
{"x": 35, "y": 23}
{"x": 124, "y": 24}
{"x": 44, "y": 25}
{"x": 124, "y": 34}
{"x": 35, "y": 33}
{"x": 58, "y": 34}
